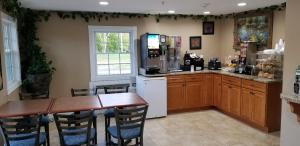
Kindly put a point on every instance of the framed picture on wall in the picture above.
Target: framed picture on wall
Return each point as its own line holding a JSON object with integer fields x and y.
{"x": 195, "y": 42}
{"x": 256, "y": 27}
{"x": 208, "y": 28}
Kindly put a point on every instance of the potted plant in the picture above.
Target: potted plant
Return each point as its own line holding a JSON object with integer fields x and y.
{"x": 39, "y": 72}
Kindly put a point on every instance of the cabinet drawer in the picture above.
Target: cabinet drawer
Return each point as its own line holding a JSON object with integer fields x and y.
{"x": 254, "y": 85}
{"x": 231, "y": 80}
{"x": 193, "y": 78}
{"x": 175, "y": 79}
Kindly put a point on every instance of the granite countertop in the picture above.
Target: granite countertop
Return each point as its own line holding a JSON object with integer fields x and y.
{"x": 243, "y": 76}
{"x": 291, "y": 98}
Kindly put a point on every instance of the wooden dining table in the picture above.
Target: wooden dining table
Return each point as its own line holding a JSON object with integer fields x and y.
{"x": 25, "y": 107}
{"x": 69, "y": 104}
{"x": 74, "y": 104}
{"x": 120, "y": 100}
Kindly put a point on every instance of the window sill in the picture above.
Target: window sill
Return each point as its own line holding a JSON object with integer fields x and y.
{"x": 13, "y": 86}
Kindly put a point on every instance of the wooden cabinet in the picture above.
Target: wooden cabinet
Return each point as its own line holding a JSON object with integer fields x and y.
{"x": 257, "y": 103}
{"x": 207, "y": 90}
{"x": 225, "y": 97}
{"x": 217, "y": 90}
{"x": 189, "y": 92}
{"x": 254, "y": 106}
{"x": 193, "y": 94}
{"x": 234, "y": 99}
{"x": 176, "y": 96}
{"x": 231, "y": 95}
{"x": 259, "y": 108}
{"x": 246, "y": 108}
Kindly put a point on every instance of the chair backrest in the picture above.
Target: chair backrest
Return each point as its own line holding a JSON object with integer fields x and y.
{"x": 74, "y": 124}
{"x": 121, "y": 88}
{"x": 130, "y": 118}
{"x": 21, "y": 128}
{"x": 31, "y": 96}
{"x": 82, "y": 92}
{"x": 2, "y": 138}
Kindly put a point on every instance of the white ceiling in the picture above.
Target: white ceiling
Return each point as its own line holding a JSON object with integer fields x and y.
{"x": 151, "y": 6}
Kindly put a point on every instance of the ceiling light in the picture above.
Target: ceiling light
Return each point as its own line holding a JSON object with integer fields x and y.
{"x": 206, "y": 12}
{"x": 103, "y": 3}
{"x": 242, "y": 4}
{"x": 171, "y": 11}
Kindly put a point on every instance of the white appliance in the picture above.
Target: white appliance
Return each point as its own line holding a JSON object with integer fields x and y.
{"x": 154, "y": 91}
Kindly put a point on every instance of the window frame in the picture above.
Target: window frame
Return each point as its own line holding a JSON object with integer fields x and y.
{"x": 93, "y": 54}
{"x": 10, "y": 85}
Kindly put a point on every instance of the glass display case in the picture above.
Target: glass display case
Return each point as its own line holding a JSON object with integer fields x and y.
{"x": 269, "y": 64}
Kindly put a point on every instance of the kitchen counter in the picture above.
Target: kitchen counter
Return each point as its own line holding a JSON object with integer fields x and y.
{"x": 291, "y": 98}
{"x": 243, "y": 76}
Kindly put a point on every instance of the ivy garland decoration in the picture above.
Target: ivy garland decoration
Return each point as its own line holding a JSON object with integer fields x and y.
{"x": 87, "y": 16}
{"x": 13, "y": 6}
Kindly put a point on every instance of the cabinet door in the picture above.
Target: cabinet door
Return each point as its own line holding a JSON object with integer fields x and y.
{"x": 235, "y": 99}
{"x": 176, "y": 96}
{"x": 207, "y": 90}
{"x": 225, "y": 97}
{"x": 258, "y": 106}
{"x": 217, "y": 93}
{"x": 193, "y": 94}
{"x": 246, "y": 111}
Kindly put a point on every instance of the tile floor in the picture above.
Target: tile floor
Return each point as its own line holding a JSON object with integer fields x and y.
{"x": 204, "y": 128}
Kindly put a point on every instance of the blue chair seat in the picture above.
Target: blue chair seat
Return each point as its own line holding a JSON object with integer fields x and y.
{"x": 27, "y": 142}
{"x": 78, "y": 139}
{"x": 125, "y": 134}
{"x": 94, "y": 113}
{"x": 109, "y": 113}
{"x": 45, "y": 120}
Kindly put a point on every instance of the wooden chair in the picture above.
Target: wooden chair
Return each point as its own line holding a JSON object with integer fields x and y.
{"x": 86, "y": 92}
{"x": 44, "y": 122}
{"x": 23, "y": 131}
{"x": 76, "y": 129}
{"x": 109, "y": 113}
{"x": 129, "y": 125}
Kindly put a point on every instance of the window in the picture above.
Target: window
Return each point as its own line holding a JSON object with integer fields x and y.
{"x": 11, "y": 53}
{"x": 112, "y": 52}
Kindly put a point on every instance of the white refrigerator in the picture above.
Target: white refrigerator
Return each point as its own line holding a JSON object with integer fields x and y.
{"x": 154, "y": 91}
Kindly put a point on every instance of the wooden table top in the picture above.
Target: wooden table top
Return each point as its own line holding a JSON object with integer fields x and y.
{"x": 74, "y": 104}
{"x": 25, "y": 107}
{"x": 121, "y": 100}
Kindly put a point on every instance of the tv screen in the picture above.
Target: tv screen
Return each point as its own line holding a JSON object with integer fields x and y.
{"x": 153, "y": 41}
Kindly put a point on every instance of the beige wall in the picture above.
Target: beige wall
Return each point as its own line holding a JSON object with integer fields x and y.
{"x": 278, "y": 27}
{"x": 3, "y": 94}
{"x": 227, "y": 38}
{"x": 66, "y": 43}
{"x": 290, "y": 128}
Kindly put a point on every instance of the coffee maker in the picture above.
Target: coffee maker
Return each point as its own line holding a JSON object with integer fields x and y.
{"x": 153, "y": 54}
{"x": 191, "y": 59}
{"x": 214, "y": 64}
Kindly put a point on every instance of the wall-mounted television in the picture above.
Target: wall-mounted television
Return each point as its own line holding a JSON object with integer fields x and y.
{"x": 153, "y": 41}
